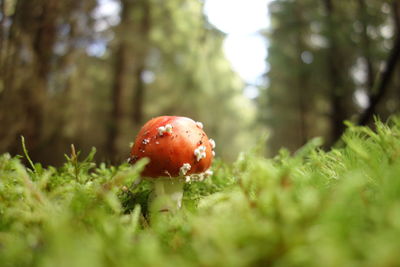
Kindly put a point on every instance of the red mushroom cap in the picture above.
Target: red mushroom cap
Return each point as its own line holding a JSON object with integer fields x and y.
{"x": 176, "y": 146}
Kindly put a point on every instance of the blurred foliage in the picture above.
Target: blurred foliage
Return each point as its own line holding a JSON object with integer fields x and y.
{"x": 339, "y": 208}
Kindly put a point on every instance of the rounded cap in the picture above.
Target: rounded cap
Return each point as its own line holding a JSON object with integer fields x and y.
{"x": 175, "y": 146}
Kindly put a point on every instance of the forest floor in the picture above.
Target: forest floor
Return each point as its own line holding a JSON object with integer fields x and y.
{"x": 313, "y": 208}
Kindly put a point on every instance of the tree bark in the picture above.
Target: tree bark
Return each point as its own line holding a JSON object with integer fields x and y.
{"x": 382, "y": 86}
{"x": 2, "y": 28}
{"x": 128, "y": 68}
{"x": 139, "y": 89}
{"x": 130, "y": 62}
{"x": 138, "y": 97}
{"x": 117, "y": 93}
{"x": 302, "y": 80}
{"x": 42, "y": 44}
{"x": 366, "y": 47}
{"x": 9, "y": 55}
{"x": 120, "y": 83}
{"x": 336, "y": 92}
{"x": 27, "y": 63}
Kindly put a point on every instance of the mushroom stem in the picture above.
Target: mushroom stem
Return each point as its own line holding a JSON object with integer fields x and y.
{"x": 167, "y": 195}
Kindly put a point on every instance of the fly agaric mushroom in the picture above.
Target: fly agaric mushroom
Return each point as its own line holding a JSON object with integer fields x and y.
{"x": 179, "y": 151}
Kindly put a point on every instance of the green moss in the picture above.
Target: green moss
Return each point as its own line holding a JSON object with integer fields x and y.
{"x": 336, "y": 208}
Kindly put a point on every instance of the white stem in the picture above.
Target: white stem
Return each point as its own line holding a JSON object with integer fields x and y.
{"x": 167, "y": 195}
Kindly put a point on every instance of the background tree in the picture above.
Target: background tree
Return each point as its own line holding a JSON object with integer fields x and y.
{"x": 342, "y": 55}
{"x": 72, "y": 73}
{"x": 77, "y": 72}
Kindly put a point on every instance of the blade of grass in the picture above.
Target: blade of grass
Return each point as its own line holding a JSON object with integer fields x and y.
{"x": 27, "y": 155}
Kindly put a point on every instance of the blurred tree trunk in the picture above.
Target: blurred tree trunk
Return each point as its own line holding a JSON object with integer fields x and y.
{"x": 382, "y": 84}
{"x": 366, "y": 46}
{"x": 26, "y": 64}
{"x": 3, "y": 40}
{"x": 302, "y": 78}
{"x": 396, "y": 15}
{"x": 43, "y": 43}
{"x": 2, "y": 28}
{"x": 121, "y": 72}
{"x": 119, "y": 86}
{"x": 336, "y": 95}
{"x": 9, "y": 98}
{"x": 129, "y": 65}
{"x": 139, "y": 90}
{"x": 9, "y": 55}
{"x": 138, "y": 97}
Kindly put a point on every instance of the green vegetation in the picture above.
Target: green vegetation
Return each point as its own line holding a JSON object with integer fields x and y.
{"x": 336, "y": 208}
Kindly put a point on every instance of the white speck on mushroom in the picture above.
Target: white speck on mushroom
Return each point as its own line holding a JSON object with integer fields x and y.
{"x": 184, "y": 169}
{"x": 213, "y": 153}
{"x": 157, "y": 143}
{"x": 200, "y": 153}
{"x": 145, "y": 141}
{"x": 212, "y": 143}
{"x": 168, "y": 128}
{"x": 199, "y": 124}
{"x": 162, "y": 129}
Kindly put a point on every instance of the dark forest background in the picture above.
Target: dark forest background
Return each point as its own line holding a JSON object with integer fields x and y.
{"x": 69, "y": 74}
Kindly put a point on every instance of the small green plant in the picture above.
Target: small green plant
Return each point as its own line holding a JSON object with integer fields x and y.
{"x": 312, "y": 208}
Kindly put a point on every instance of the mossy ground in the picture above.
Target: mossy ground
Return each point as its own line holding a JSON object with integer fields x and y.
{"x": 315, "y": 208}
